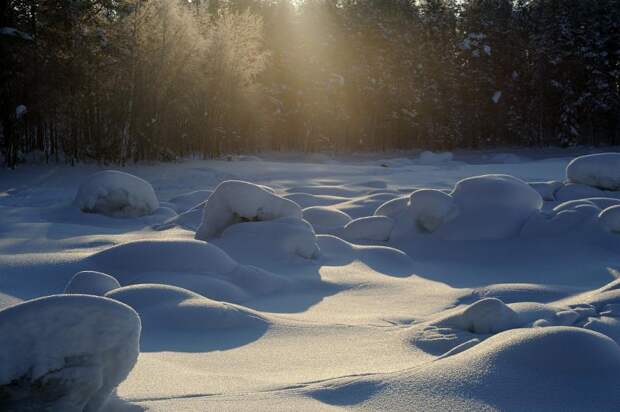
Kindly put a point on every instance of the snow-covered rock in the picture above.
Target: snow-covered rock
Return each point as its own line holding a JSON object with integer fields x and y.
{"x": 576, "y": 191}
{"x": 610, "y": 219}
{"x": 368, "y": 228}
{"x": 547, "y": 190}
{"x": 324, "y": 219}
{"x": 393, "y": 208}
{"x": 89, "y": 282}
{"x": 116, "y": 194}
{"x": 485, "y": 316}
{"x": 598, "y": 170}
{"x": 491, "y": 207}
{"x": 431, "y": 208}
{"x": 65, "y": 352}
{"x": 235, "y": 202}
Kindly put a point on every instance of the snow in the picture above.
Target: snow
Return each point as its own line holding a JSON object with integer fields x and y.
{"x": 89, "y": 282}
{"x": 20, "y": 111}
{"x": 65, "y": 352}
{"x": 600, "y": 170}
{"x": 451, "y": 285}
{"x": 430, "y": 158}
{"x": 497, "y": 95}
{"x": 116, "y": 194}
{"x": 610, "y": 219}
{"x": 236, "y": 201}
{"x": 324, "y": 219}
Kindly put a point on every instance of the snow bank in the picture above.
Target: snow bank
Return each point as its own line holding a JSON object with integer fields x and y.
{"x": 65, "y": 353}
{"x": 368, "y": 228}
{"x": 485, "y": 316}
{"x": 325, "y": 219}
{"x": 89, "y": 282}
{"x": 236, "y": 202}
{"x": 610, "y": 219}
{"x": 170, "y": 308}
{"x": 116, "y": 194}
{"x": 598, "y": 170}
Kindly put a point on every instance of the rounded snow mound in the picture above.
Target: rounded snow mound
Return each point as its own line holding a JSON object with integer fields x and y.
{"x": 522, "y": 369}
{"x": 65, "y": 352}
{"x": 598, "y": 170}
{"x": 431, "y": 208}
{"x": 170, "y": 308}
{"x": 491, "y": 207}
{"x": 116, "y": 194}
{"x": 610, "y": 219}
{"x": 89, "y": 282}
{"x": 369, "y": 228}
{"x": 235, "y": 201}
{"x": 173, "y": 255}
{"x": 325, "y": 219}
{"x": 485, "y": 316}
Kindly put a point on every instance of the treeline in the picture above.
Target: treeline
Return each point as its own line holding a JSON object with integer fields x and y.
{"x": 129, "y": 80}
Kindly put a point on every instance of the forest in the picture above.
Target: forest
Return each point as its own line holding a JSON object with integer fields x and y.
{"x": 119, "y": 81}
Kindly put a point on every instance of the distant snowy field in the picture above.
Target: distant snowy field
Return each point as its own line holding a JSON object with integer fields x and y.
{"x": 416, "y": 281}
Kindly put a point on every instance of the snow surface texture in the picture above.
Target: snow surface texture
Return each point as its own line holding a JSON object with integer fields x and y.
{"x": 598, "y": 170}
{"x": 89, "y": 282}
{"x": 65, "y": 353}
{"x": 447, "y": 274}
{"x": 116, "y": 194}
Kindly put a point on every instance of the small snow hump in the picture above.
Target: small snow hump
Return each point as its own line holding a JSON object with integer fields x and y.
{"x": 116, "y": 194}
{"x": 90, "y": 282}
{"x": 600, "y": 170}
{"x": 65, "y": 352}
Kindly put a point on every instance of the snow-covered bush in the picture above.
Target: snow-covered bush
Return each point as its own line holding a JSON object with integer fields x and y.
{"x": 116, "y": 194}
{"x": 235, "y": 202}
{"x": 485, "y": 316}
{"x": 89, "y": 282}
{"x": 610, "y": 219}
{"x": 369, "y": 228}
{"x": 324, "y": 219}
{"x": 599, "y": 170}
{"x": 65, "y": 352}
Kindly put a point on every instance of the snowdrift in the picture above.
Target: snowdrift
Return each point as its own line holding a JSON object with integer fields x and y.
{"x": 65, "y": 352}
{"x": 325, "y": 220}
{"x": 556, "y": 368}
{"x": 116, "y": 194}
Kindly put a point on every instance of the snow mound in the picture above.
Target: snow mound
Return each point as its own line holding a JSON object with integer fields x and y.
{"x": 491, "y": 207}
{"x": 173, "y": 255}
{"x": 170, "y": 308}
{"x": 598, "y": 170}
{"x": 272, "y": 239}
{"x": 368, "y": 228}
{"x": 610, "y": 219}
{"x": 547, "y": 190}
{"x": 89, "y": 282}
{"x": 575, "y": 191}
{"x": 431, "y": 158}
{"x": 392, "y": 208}
{"x": 116, "y": 194}
{"x": 485, "y": 316}
{"x": 65, "y": 352}
{"x": 431, "y": 208}
{"x": 325, "y": 219}
{"x": 235, "y": 202}
{"x": 522, "y": 369}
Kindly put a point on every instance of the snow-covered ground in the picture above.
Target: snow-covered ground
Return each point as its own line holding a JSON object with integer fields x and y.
{"x": 327, "y": 284}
